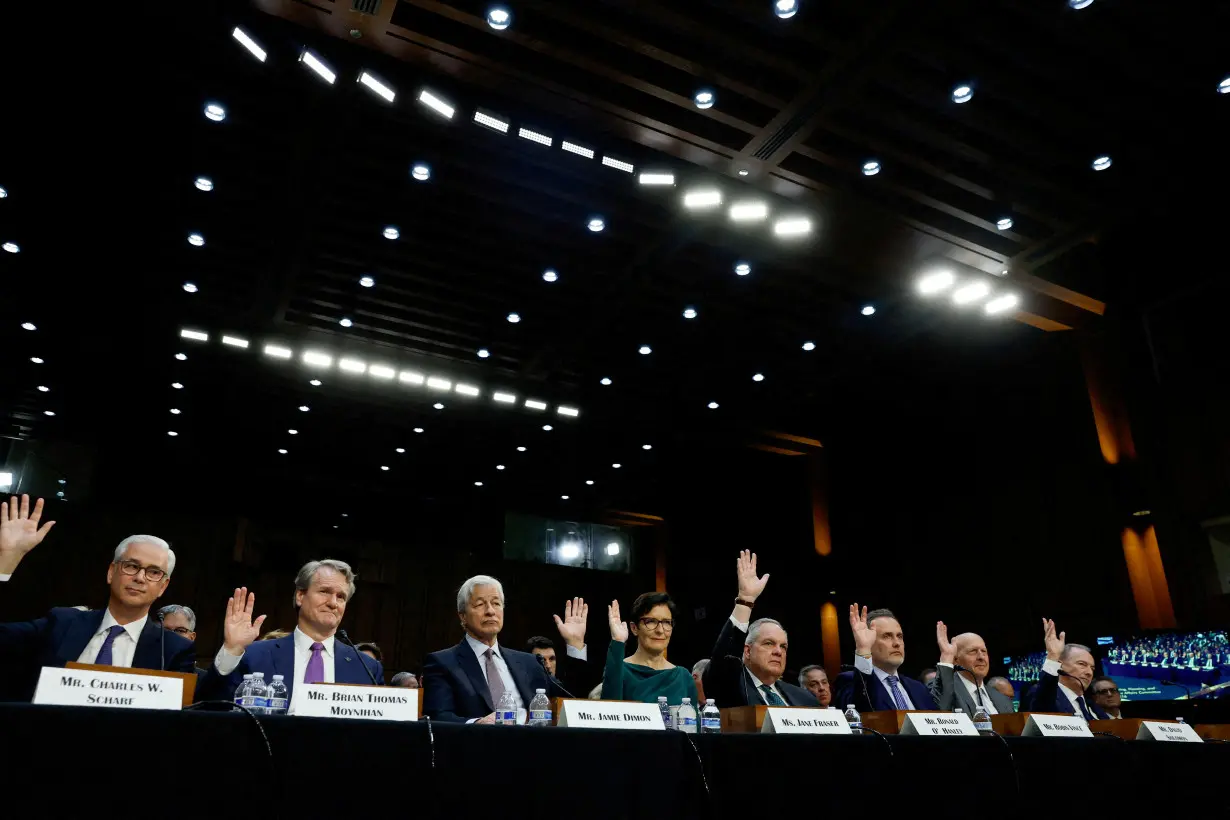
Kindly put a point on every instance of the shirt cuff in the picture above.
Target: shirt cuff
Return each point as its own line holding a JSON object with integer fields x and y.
{"x": 941, "y": 663}
{"x": 4, "y": 577}
{"x": 739, "y": 625}
{"x": 581, "y": 654}
{"x": 1051, "y": 667}
{"x": 225, "y": 662}
{"x": 863, "y": 664}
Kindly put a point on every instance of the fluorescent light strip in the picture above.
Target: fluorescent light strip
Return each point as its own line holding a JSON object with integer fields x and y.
{"x": 535, "y": 404}
{"x": 579, "y": 150}
{"x": 702, "y": 199}
{"x": 436, "y": 104}
{"x": 381, "y": 371}
{"x": 568, "y": 411}
{"x": 466, "y": 389}
{"x": 410, "y": 377}
{"x": 278, "y": 352}
{"x": 617, "y": 164}
{"x": 749, "y": 211}
{"x": 534, "y": 136}
{"x": 437, "y": 383}
{"x": 235, "y": 341}
{"x": 377, "y": 86}
{"x": 313, "y": 62}
{"x": 657, "y": 179}
{"x": 491, "y": 122}
{"x": 317, "y": 359}
{"x": 248, "y": 43}
{"x": 352, "y": 366}
{"x": 194, "y": 335}
{"x": 792, "y": 227}
{"x": 505, "y": 398}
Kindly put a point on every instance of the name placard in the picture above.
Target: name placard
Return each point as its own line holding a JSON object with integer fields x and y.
{"x": 786, "y": 721}
{"x": 938, "y": 724}
{"x": 356, "y": 702}
{"x": 610, "y": 714}
{"x": 1056, "y": 726}
{"x": 1168, "y": 732}
{"x": 81, "y": 687}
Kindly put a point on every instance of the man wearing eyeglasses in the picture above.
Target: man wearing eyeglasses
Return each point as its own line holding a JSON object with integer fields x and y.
{"x": 1105, "y": 693}
{"x": 123, "y": 634}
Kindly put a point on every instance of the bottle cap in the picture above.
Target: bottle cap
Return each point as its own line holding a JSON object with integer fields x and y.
{"x": 687, "y": 701}
{"x": 849, "y": 705}
{"x": 279, "y": 677}
{"x": 540, "y": 691}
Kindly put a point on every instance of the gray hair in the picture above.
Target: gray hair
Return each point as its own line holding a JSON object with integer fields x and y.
{"x": 803, "y": 673}
{"x": 1067, "y": 650}
{"x": 145, "y": 539}
{"x": 879, "y": 613}
{"x": 700, "y": 666}
{"x": 171, "y": 609}
{"x": 467, "y": 589}
{"x": 401, "y": 676}
{"x": 753, "y": 631}
{"x": 308, "y": 571}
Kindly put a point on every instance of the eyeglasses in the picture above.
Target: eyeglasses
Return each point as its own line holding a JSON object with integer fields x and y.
{"x": 1114, "y": 690}
{"x": 152, "y": 574}
{"x": 653, "y": 623}
{"x": 181, "y": 630}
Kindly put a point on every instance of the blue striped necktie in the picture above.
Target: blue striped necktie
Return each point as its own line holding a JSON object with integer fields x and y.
{"x": 898, "y": 698}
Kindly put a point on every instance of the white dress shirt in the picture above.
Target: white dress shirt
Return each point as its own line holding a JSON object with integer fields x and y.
{"x": 510, "y": 685}
{"x": 973, "y": 690}
{"x": 1052, "y": 668}
{"x": 4, "y": 577}
{"x": 226, "y": 663}
{"x": 865, "y": 666}
{"x": 123, "y": 646}
{"x": 757, "y": 682}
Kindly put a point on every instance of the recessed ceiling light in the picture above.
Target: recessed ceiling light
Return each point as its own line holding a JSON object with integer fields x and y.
{"x": 704, "y": 99}
{"x": 651, "y": 178}
{"x": 936, "y": 282}
{"x": 235, "y": 341}
{"x": 616, "y": 466}
{"x": 749, "y": 211}
{"x": 689, "y": 313}
{"x": 466, "y": 390}
{"x": 492, "y": 122}
{"x": 520, "y": 449}
{"x": 579, "y": 150}
{"x": 194, "y": 335}
{"x": 367, "y": 282}
{"x": 437, "y": 383}
{"x": 172, "y": 433}
{"x": 499, "y": 466}
{"x": 606, "y": 382}
{"x": 48, "y": 412}
{"x": 410, "y": 377}
{"x": 618, "y": 164}
{"x": 352, "y": 366}
{"x": 421, "y": 172}
{"x": 315, "y": 382}
{"x": 708, "y": 198}
{"x": 175, "y": 411}
{"x": 303, "y": 408}
{"x": 44, "y": 389}
{"x": 1001, "y": 303}
{"x": 483, "y": 353}
{"x": 317, "y": 65}
{"x": 547, "y": 427}
{"x": 714, "y": 405}
{"x": 646, "y": 446}
{"x": 204, "y": 184}
{"x": 1101, "y": 163}
{"x": 1005, "y": 223}
{"x": 378, "y": 87}
{"x": 436, "y": 104}
{"x": 809, "y": 346}
{"x": 293, "y": 432}
{"x": 190, "y": 287}
{"x": 743, "y": 269}
{"x": 962, "y": 94}
{"x": 871, "y": 167}
{"x": 196, "y": 240}
{"x": 438, "y": 405}
{"x": 535, "y": 404}
{"x": 28, "y": 326}
{"x": 381, "y": 371}
{"x": 743, "y": 172}
{"x": 505, "y": 398}
{"x": 794, "y": 226}
{"x": 282, "y": 450}
{"x": 418, "y": 429}
{"x": 215, "y": 112}
{"x": 571, "y": 412}
{"x": 177, "y": 385}
{"x": 540, "y": 138}
{"x": 11, "y": 247}
{"x": 1222, "y": 88}
{"x": 786, "y": 9}
{"x": 248, "y": 43}
{"x": 759, "y": 377}
{"x": 316, "y": 359}
{"x": 645, "y": 350}
{"x": 868, "y": 310}
{"x": 596, "y": 224}
{"x": 183, "y": 357}
{"x": 514, "y": 317}
{"x": 564, "y": 497}
{"x": 36, "y": 360}
{"x": 345, "y": 322}
{"x": 391, "y": 232}
{"x": 382, "y": 467}
{"x": 478, "y": 483}
{"x": 973, "y": 292}
{"x": 499, "y": 18}
{"x": 1080, "y": 4}
{"x": 400, "y": 449}
{"x": 550, "y": 276}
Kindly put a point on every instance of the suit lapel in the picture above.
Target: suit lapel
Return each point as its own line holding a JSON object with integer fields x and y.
{"x": 345, "y": 669}
{"x": 519, "y": 676}
{"x": 282, "y": 662}
{"x": 78, "y": 634}
{"x": 469, "y": 665}
{"x": 149, "y": 645}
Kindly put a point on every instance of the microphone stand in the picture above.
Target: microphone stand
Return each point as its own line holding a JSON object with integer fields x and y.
{"x": 543, "y": 663}
{"x": 341, "y": 633}
{"x": 162, "y": 643}
{"x": 867, "y": 697}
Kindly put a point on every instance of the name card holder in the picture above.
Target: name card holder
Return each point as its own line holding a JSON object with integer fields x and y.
{"x": 938, "y": 724}
{"x": 1168, "y": 731}
{"x": 1012, "y": 724}
{"x": 741, "y": 719}
{"x": 610, "y": 714}
{"x": 802, "y": 721}
{"x": 117, "y": 687}
{"x": 355, "y": 702}
{"x": 1040, "y": 725}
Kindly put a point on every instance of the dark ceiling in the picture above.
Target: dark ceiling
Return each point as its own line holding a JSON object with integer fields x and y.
{"x": 307, "y": 175}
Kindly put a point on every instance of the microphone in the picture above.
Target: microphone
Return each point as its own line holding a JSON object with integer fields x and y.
{"x": 543, "y": 663}
{"x": 863, "y": 680}
{"x": 162, "y": 643}
{"x": 341, "y": 633}
{"x": 1064, "y": 674}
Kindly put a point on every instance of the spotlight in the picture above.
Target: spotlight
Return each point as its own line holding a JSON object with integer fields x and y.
{"x": 1101, "y": 163}
{"x": 809, "y": 346}
{"x": 645, "y": 350}
{"x": 869, "y": 310}
{"x": 313, "y": 62}
{"x": 48, "y": 412}
{"x": 282, "y": 451}
{"x": 377, "y": 86}
{"x": 421, "y": 172}
{"x": 596, "y": 224}
{"x": 36, "y": 360}
{"x": 962, "y": 94}
{"x": 183, "y": 357}
{"x": 436, "y": 104}
{"x": 743, "y": 172}
{"x": 749, "y": 211}
{"x": 646, "y": 446}
{"x": 248, "y": 43}
{"x": 303, "y": 408}
{"x": 514, "y": 318}
{"x": 316, "y": 382}
{"x": 499, "y": 466}
{"x": 293, "y": 432}
{"x": 569, "y": 551}
{"x": 973, "y": 292}
{"x": 175, "y": 411}
{"x": 194, "y": 239}
{"x": 579, "y": 150}
{"x": 478, "y": 483}
{"x": 785, "y": 9}
{"x": 547, "y": 428}
{"x": 606, "y": 382}
{"x": 611, "y": 548}
{"x": 1004, "y": 224}
{"x": 345, "y": 322}
{"x": 438, "y": 405}
{"x": 484, "y": 353}
{"x": 871, "y": 167}
{"x": 1001, "y": 303}
{"x": 391, "y": 232}
{"x": 278, "y": 352}
{"x": 714, "y": 405}
{"x": 11, "y": 247}
{"x": 367, "y": 282}
{"x": 564, "y": 497}
{"x": 499, "y": 18}
{"x": 616, "y": 466}
{"x": 384, "y": 468}
{"x": 177, "y": 385}
{"x": 937, "y": 282}
{"x": 792, "y": 227}
{"x": 743, "y": 269}
{"x": 1222, "y": 88}
{"x": 3, "y": 193}
{"x": 44, "y": 389}
{"x": 704, "y": 99}
{"x": 759, "y": 377}
{"x": 550, "y": 276}
{"x": 204, "y": 184}
{"x": 689, "y": 313}
{"x": 418, "y": 429}
{"x": 657, "y": 179}
{"x": 702, "y": 199}
{"x": 520, "y": 449}
{"x": 169, "y": 433}
{"x": 215, "y": 112}
{"x": 28, "y": 326}
{"x": 589, "y": 483}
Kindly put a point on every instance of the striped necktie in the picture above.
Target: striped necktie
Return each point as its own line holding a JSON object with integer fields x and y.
{"x": 898, "y": 697}
{"x": 770, "y": 697}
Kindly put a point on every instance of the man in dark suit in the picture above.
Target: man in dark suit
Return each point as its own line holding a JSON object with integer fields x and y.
{"x": 879, "y": 651}
{"x": 749, "y": 659}
{"x": 965, "y": 689}
{"x": 1065, "y": 677}
{"x": 464, "y": 684}
{"x": 120, "y": 635}
{"x": 310, "y": 654}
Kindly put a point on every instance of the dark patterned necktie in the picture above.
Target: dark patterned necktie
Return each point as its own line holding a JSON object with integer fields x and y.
{"x": 898, "y": 697}
{"x": 770, "y": 697}
{"x": 104, "y": 657}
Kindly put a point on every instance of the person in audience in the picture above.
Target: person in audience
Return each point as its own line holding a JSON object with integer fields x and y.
{"x": 542, "y": 646}
{"x": 1002, "y": 685}
{"x": 698, "y": 672}
{"x": 465, "y": 684}
{"x": 646, "y": 674}
{"x": 879, "y": 651}
{"x": 182, "y": 621}
{"x": 814, "y": 679}
{"x": 406, "y": 680}
{"x": 927, "y": 676}
{"x": 1104, "y": 692}
{"x": 371, "y": 650}
{"x": 274, "y": 634}
{"x": 122, "y": 634}
{"x": 1065, "y": 677}
{"x": 311, "y": 654}
{"x": 749, "y": 659}
{"x": 965, "y": 690}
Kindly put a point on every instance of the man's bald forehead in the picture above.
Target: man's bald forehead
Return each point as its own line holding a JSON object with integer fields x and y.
{"x": 967, "y": 638}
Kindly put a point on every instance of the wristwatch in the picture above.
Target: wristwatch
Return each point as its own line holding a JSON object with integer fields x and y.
{"x": 745, "y": 602}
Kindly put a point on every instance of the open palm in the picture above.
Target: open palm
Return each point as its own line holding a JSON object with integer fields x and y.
{"x": 750, "y": 586}
{"x": 619, "y": 629}
{"x": 19, "y": 529}
{"x": 572, "y": 626}
{"x": 239, "y": 631}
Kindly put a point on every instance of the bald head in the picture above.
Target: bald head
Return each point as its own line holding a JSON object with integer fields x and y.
{"x": 972, "y": 654}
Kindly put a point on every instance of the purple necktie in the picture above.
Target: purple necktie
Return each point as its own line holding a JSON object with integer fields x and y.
{"x": 103, "y": 658}
{"x": 897, "y": 696}
{"x": 315, "y": 672}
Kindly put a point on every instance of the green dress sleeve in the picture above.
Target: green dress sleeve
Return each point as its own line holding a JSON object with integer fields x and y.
{"x": 613, "y": 672}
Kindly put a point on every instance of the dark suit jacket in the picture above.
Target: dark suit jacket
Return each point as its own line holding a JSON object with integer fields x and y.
{"x": 950, "y": 693}
{"x": 726, "y": 680}
{"x": 61, "y": 636}
{"x": 1046, "y": 697}
{"x": 278, "y": 658}
{"x": 881, "y": 700}
{"x": 455, "y": 690}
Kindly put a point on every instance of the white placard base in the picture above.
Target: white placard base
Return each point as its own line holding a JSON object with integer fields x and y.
{"x": 786, "y": 721}
{"x": 938, "y": 724}
{"x": 1168, "y": 732}
{"x": 1056, "y": 726}
{"x": 610, "y": 714}
{"x": 355, "y": 702}
{"x": 81, "y": 687}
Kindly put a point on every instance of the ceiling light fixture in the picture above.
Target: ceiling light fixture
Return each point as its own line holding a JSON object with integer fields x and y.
{"x": 316, "y": 359}
{"x": 410, "y": 377}
{"x": 351, "y": 366}
{"x": 194, "y": 239}
{"x": 535, "y": 136}
{"x": 316, "y": 382}
{"x": 579, "y": 150}
{"x": 317, "y": 65}
{"x": 194, "y": 335}
{"x": 42, "y": 388}
{"x": 381, "y": 371}
{"x": 367, "y": 282}
{"x": 177, "y": 386}
{"x": 466, "y": 390}
{"x": 1222, "y": 88}
{"x": 437, "y": 383}
{"x": 871, "y": 167}
{"x": 171, "y": 433}
{"x": 795, "y": 226}
{"x": 436, "y": 104}
{"x": 418, "y": 429}
{"x": 505, "y": 398}
{"x": 571, "y": 412}
{"x": 962, "y": 94}
{"x": 759, "y": 377}
{"x": 391, "y": 232}
{"x": 1101, "y": 163}
{"x": 384, "y": 468}
{"x": 596, "y": 224}
{"x": 204, "y": 184}
{"x": 494, "y": 123}
{"x": 606, "y": 382}
{"x": 278, "y": 352}
{"x": 514, "y": 318}
{"x": 649, "y": 178}
{"x": 689, "y": 313}
{"x": 520, "y": 449}
{"x": 49, "y": 413}
{"x": 749, "y": 211}
{"x": 215, "y": 112}
{"x": 183, "y": 357}
{"x": 421, "y": 172}
{"x": 12, "y": 247}
{"x": 936, "y": 282}
{"x": 345, "y": 322}
{"x": 704, "y": 99}
{"x": 499, "y": 466}
{"x": 646, "y": 446}
{"x": 547, "y": 427}
{"x": 1079, "y": 4}
{"x": 785, "y": 9}
{"x": 484, "y": 353}
{"x": 303, "y": 408}
{"x": 499, "y": 18}
{"x": 535, "y": 404}
{"x": 36, "y": 360}
{"x": 742, "y": 269}
{"x": 973, "y": 292}
{"x": 293, "y": 432}
{"x": 868, "y": 310}
{"x": 702, "y": 199}
{"x": 28, "y": 326}
{"x": 235, "y": 341}
{"x": 248, "y": 43}
{"x": 1005, "y": 223}
{"x": 3, "y": 193}
{"x": 1001, "y": 303}
{"x": 175, "y": 411}
{"x": 375, "y": 85}
{"x": 809, "y": 346}
{"x": 616, "y": 466}
{"x": 618, "y": 164}
{"x": 644, "y": 350}
{"x": 438, "y": 405}
{"x": 713, "y": 405}
{"x": 550, "y": 276}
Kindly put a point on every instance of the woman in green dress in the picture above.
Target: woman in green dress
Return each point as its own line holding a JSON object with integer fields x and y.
{"x": 646, "y": 675}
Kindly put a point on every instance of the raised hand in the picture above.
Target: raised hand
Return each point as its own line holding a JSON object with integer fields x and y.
{"x": 239, "y": 631}
{"x": 19, "y": 530}
{"x": 864, "y": 636}
{"x": 1054, "y": 643}
{"x": 750, "y": 586}
{"x": 619, "y": 629}
{"x": 572, "y": 626}
{"x": 948, "y": 652}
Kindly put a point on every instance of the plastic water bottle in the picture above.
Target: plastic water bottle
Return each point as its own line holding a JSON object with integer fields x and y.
{"x": 241, "y": 690}
{"x": 540, "y": 709}
{"x": 665, "y": 709}
{"x": 687, "y": 717}
{"x": 277, "y": 696}
{"x": 854, "y": 719}
{"x": 710, "y": 718}
{"x": 982, "y": 719}
{"x": 506, "y": 710}
{"x": 260, "y": 694}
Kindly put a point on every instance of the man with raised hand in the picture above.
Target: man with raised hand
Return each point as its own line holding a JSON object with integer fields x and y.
{"x": 879, "y": 651}
{"x": 966, "y": 688}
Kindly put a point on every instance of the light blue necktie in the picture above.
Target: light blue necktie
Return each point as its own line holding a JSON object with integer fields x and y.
{"x": 103, "y": 658}
{"x": 898, "y": 698}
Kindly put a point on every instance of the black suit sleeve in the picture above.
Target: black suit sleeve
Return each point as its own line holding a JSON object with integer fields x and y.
{"x": 723, "y": 677}
{"x": 1045, "y": 694}
{"x": 576, "y": 675}
{"x": 860, "y": 684}
{"x": 943, "y": 689}
{"x": 439, "y": 702}
{"x": 184, "y": 660}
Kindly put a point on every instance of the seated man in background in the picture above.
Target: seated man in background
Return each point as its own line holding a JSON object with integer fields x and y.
{"x": 927, "y": 676}
{"x": 406, "y": 680}
{"x": 311, "y": 654}
{"x": 543, "y": 647}
{"x": 371, "y": 650}
{"x": 698, "y": 673}
{"x": 814, "y": 679}
{"x": 1104, "y": 692}
{"x": 965, "y": 689}
{"x": 464, "y": 684}
{"x": 1065, "y": 678}
{"x": 879, "y": 651}
{"x": 182, "y": 621}
{"x": 1003, "y": 686}
{"x": 122, "y": 634}
{"x": 748, "y": 660}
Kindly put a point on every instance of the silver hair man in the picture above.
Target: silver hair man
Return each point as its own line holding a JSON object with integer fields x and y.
{"x": 303, "y": 581}
{"x": 186, "y": 611}
{"x": 122, "y": 549}
{"x": 753, "y": 631}
{"x": 466, "y": 590}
